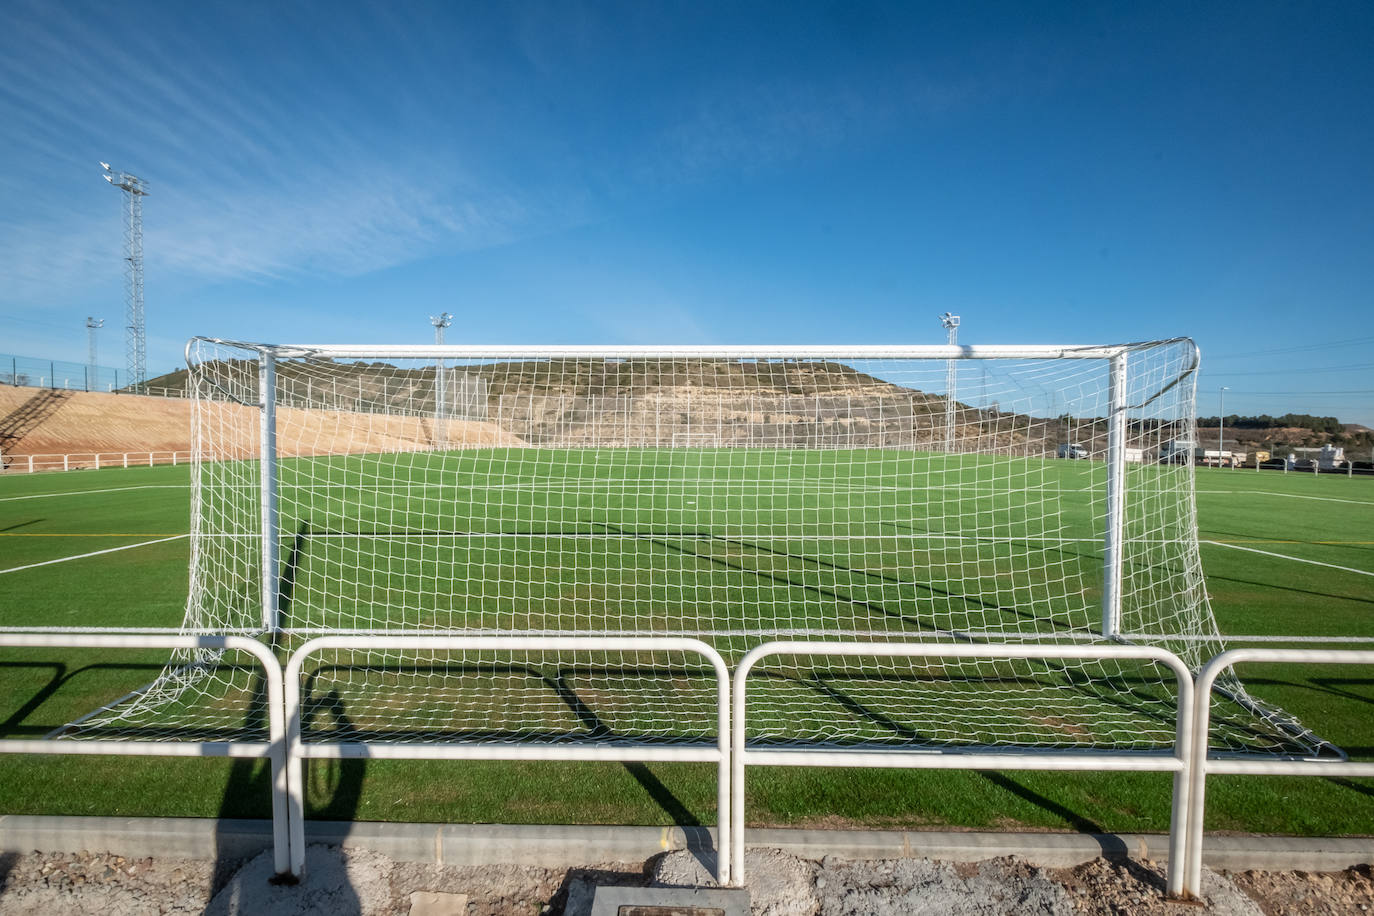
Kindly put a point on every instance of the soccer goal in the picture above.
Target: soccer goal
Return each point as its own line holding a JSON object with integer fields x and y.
{"x": 731, "y": 496}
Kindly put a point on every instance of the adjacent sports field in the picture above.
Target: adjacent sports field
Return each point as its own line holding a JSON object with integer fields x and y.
{"x": 1284, "y": 554}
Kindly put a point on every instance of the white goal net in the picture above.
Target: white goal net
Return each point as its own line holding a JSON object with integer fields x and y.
{"x": 735, "y": 495}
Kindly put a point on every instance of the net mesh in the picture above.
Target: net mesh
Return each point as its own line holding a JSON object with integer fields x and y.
{"x": 730, "y": 497}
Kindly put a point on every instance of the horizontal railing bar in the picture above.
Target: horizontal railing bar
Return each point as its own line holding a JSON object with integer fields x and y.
{"x": 967, "y": 650}
{"x": 403, "y": 751}
{"x": 98, "y": 746}
{"x": 1030, "y": 759}
{"x": 442, "y": 640}
{"x": 123, "y": 631}
{"x": 1244, "y": 637}
{"x": 130, "y": 639}
{"x": 1236, "y": 766}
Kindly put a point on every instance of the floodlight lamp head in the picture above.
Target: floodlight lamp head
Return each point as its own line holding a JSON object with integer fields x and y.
{"x": 105, "y": 166}
{"x": 949, "y": 321}
{"x": 442, "y": 320}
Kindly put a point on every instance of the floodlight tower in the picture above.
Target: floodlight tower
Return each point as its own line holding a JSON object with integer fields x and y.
{"x": 136, "y": 345}
{"x": 951, "y": 324}
{"x": 92, "y": 363}
{"x": 440, "y": 321}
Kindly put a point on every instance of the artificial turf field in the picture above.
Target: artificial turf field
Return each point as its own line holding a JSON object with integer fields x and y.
{"x": 1321, "y": 528}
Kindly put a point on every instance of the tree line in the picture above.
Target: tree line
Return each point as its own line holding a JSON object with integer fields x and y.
{"x": 1288, "y": 420}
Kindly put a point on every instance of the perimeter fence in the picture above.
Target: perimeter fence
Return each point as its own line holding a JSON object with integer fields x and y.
{"x": 56, "y": 374}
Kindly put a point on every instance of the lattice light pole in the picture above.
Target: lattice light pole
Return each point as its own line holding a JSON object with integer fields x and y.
{"x": 951, "y": 324}
{"x": 92, "y": 362}
{"x": 136, "y": 345}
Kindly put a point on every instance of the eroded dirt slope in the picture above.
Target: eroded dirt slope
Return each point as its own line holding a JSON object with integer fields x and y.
{"x": 37, "y": 421}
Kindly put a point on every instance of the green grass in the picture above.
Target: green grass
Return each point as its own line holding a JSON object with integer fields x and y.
{"x": 1323, "y": 519}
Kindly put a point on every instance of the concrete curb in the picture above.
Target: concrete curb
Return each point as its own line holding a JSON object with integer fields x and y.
{"x": 554, "y": 846}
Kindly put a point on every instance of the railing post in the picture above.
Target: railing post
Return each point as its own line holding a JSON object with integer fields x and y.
{"x": 267, "y": 478}
{"x": 1113, "y": 547}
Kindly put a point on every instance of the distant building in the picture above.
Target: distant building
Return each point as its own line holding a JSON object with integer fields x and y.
{"x": 1327, "y": 458}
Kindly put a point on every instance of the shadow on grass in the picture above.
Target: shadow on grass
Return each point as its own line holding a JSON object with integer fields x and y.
{"x": 1287, "y": 588}
{"x": 661, "y": 794}
{"x": 1075, "y": 820}
{"x": 59, "y": 679}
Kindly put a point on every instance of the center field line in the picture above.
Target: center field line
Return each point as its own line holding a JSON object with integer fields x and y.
{"x": 147, "y": 486}
{"x": 1284, "y": 556}
{"x": 94, "y": 553}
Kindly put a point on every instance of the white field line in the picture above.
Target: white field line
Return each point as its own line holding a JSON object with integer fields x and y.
{"x": 1325, "y": 499}
{"x": 150, "y": 486}
{"x": 1284, "y": 556}
{"x": 94, "y": 553}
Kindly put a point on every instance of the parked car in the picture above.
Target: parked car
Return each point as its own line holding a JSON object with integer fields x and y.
{"x": 1072, "y": 450}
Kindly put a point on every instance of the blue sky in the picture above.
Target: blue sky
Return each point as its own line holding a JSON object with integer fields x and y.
{"x": 705, "y": 173}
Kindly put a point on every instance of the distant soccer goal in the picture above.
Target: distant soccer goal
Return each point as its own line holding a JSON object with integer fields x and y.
{"x": 728, "y": 495}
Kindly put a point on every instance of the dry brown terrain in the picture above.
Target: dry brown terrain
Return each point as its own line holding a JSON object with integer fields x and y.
{"x": 37, "y": 421}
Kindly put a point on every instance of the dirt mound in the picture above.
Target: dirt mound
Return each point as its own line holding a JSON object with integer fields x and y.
{"x": 38, "y": 421}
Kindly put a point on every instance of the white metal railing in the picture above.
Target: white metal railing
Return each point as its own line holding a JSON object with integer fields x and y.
{"x": 274, "y": 749}
{"x": 298, "y": 750}
{"x": 286, "y": 750}
{"x": 1270, "y": 765}
{"x": 1176, "y": 762}
{"x": 74, "y": 461}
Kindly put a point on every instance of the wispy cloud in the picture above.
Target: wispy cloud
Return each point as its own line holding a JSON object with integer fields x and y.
{"x": 250, "y": 177}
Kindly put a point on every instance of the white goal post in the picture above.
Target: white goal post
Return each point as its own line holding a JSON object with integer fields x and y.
{"x": 732, "y": 495}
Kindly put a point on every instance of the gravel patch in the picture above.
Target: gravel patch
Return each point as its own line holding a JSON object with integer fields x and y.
{"x": 340, "y": 882}
{"x": 78, "y": 884}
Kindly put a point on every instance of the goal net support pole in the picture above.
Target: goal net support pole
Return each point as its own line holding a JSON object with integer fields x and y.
{"x": 1116, "y": 498}
{"x": 267, "y": 438}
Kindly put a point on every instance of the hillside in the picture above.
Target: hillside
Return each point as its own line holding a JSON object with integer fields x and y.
{"x": 586, "y": 401}
{"x": 39, "y": 421}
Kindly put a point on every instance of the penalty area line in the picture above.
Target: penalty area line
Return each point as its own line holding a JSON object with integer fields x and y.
{"x": 94, "y": 553}
{"x": 1284, "y": 556}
